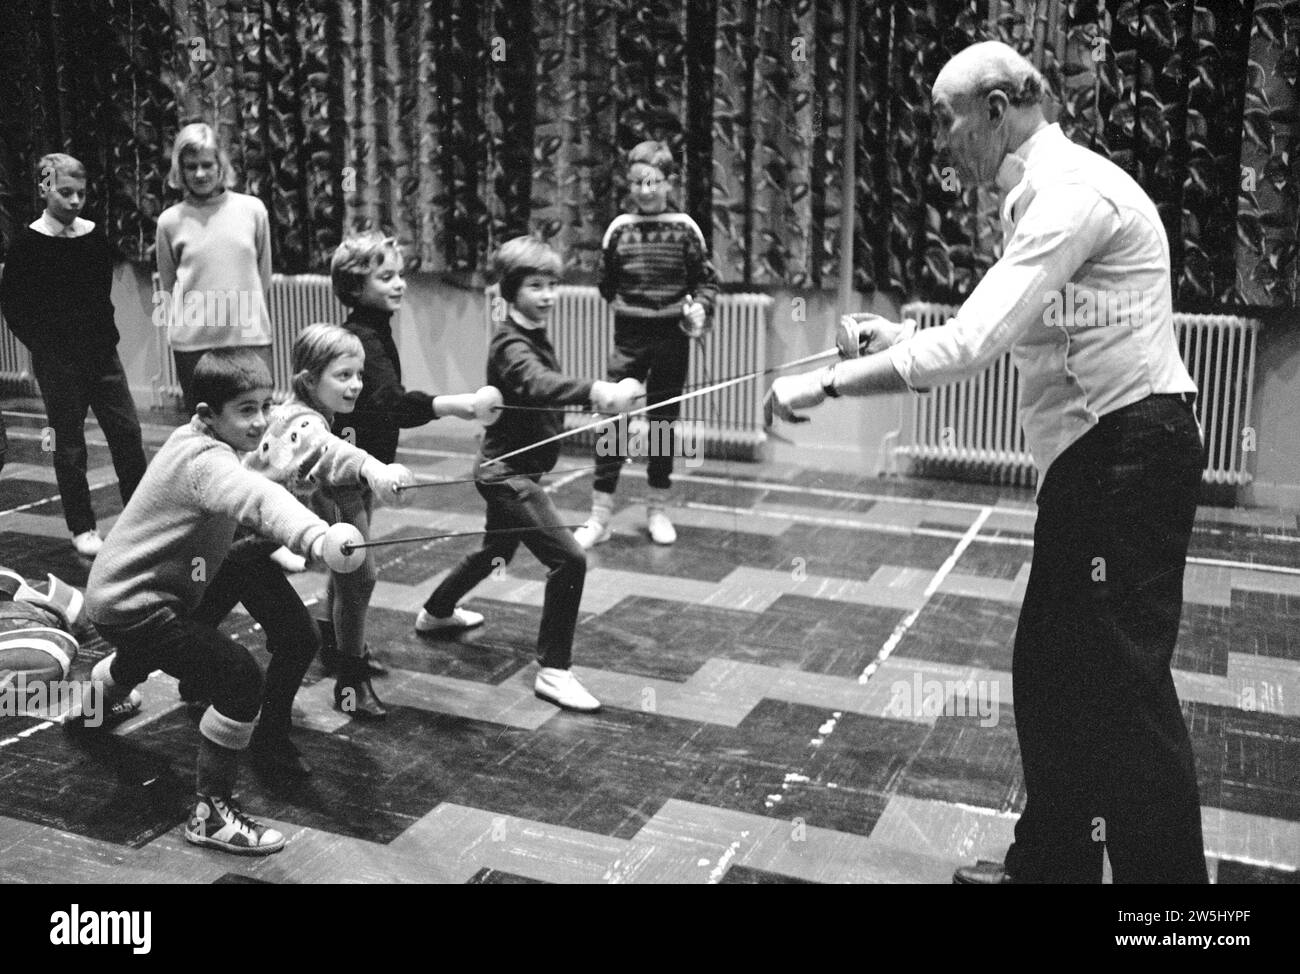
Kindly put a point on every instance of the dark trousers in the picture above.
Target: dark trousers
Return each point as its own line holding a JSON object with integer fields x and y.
{"x": 249, "y": 576}
{"x": 217, "y": 667}
{"x": 185, "y": 362}
{"x": 658, "y": 354}
{"x": 1105, "y": 751}
{"x": 520, "y": 502}
{"x": 70, "y": 386}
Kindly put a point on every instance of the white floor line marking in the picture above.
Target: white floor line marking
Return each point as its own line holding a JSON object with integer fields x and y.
{"x": 828, "y": 726}
{"x": 905, "y": 624}
{"x": 45, "y": 725}
{"x": 54, "y": 497}
{"x": 1247, "y": 565}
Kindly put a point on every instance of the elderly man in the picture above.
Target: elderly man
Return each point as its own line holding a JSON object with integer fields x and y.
{"x": 1081, "y": 297}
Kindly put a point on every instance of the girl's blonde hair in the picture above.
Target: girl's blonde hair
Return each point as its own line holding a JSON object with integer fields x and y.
{"x": 193, "y": 138}
{"x": 314, "y": 349}
{"x": 354, "y": 259}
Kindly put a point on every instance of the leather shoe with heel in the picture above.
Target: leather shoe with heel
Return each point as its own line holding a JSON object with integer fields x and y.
{"x": 353, "y": 694}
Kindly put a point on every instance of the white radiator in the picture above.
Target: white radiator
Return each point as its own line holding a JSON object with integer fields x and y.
{"x": 15, "y": 363}
{"x": 729, "y": 423}
{"x": 974, "y": 426}
{"x": 296, "y": 301}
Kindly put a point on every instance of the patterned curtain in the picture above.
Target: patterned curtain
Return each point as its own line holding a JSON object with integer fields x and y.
{"x": 914, "y": 233}
{"x": 56, "y": 61}
{"x": 776, "y": 139}
{"x": 458, "y": 123}
{"x": 1197, "y": 101}
{"x": 1268, "y": 211}
{"x": 259, "y": 73}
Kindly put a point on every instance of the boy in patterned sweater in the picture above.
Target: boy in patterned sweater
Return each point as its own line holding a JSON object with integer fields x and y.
{"x": 656, "y": 274}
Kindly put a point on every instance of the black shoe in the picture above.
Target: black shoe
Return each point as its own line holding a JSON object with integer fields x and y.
{"x": 353, "y": 694}
{"x": 983, "y": 873}
{"x": 277, "y": 755}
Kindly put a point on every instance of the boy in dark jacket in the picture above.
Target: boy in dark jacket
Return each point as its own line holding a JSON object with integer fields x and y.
{"x": 522, "y": 364}
{"x": 55, "y": 297}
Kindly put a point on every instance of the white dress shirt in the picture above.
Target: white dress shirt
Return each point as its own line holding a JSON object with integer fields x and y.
{"x": 1081, "y": 297}
{"x": 51, "y": 227}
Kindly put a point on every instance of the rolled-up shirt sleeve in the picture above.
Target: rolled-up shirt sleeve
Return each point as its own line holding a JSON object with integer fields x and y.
{"x": 1062, "y": 227}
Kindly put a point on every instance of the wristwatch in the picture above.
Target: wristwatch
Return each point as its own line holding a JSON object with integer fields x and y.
{"x": 828, "y": 383}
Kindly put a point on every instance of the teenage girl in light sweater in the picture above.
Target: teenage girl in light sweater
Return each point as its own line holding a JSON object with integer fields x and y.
{"x": 214, "y": 266}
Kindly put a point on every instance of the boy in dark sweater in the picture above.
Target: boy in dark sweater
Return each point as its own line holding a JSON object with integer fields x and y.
{"x": 522, "y": 364}
{"x": 656, "y": 274}
{"x": 55, "y": 297}
{"x": 366, "y": 271}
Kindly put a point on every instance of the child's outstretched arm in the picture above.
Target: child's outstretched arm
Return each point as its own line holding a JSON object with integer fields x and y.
{"x": 299, "y": 452}
{"x": 482, "y": 405}
{"x": 223, "y": 486}
{"x": 526, "y": 378}
{"x": 391, "y": 401}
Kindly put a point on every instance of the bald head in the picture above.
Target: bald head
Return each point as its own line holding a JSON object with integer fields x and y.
{"x": 987, "y": 100}
{"x": 990, "y": 65}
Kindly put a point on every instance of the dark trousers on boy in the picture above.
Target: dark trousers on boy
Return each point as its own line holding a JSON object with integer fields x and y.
{"x": 71, "y": 384}
{"x": 292, "y": 638}
{"x": 213, "y": 665}
{"x": 1106, "y": 753}
{"x": 520, "y": 502}
{"x": 657, "y": 353}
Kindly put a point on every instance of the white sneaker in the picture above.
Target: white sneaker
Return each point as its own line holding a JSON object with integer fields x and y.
{"x": 661, "y": 529}
{"x": 592, "y": 533}
{"x": 221, "y": 824}
{"x": 459, "y": 619}
{"x": 562, "y": 688}
{"x": 87, "y": 543}
{"x": 289, "y": 561}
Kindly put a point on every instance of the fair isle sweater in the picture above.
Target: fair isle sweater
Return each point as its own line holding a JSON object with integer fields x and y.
{"x": 650, "y": 262}
{"x": 177, "y": 528}
{"x": 214, "y": 267}
{"x": 299, "y": 452}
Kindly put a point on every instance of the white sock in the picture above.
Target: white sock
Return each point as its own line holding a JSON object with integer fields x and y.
{"x": 602, "y": 506}
{"x": 658, "y": 498}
